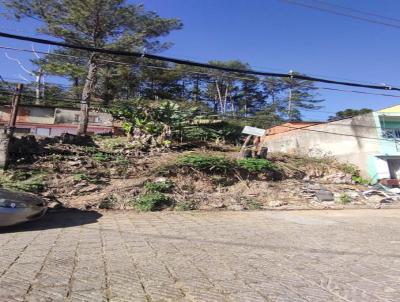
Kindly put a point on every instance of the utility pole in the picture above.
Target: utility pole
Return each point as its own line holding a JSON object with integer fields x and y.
{"x": 7, "y": 134}
{"x": 14, "y": 108}
{"x": 290, "y": 96}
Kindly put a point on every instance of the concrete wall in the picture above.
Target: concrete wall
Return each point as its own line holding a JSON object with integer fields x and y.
{"x": 352, "y": 140}
{"x": 68, "y": 116}
{"x": 28, "y": 114}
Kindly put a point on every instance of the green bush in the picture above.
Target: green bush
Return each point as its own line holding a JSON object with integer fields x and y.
{"x": 255, "y": 164}
{"x": 345, "y": 199}
{"x": 184, "y": 206}
{"x": 206, "y": 162}
{"x": 252, "y": 205}
{"x": 23, "y": 181}
{"x": 152, "y": 202}
{"x": 101, "y": 156}
{"x": 160, "y": 186}
{"x": 360, "y": 180}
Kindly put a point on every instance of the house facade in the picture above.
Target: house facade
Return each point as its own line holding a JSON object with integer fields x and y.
{"x": 370, "y": 141}
{"x": 49, "y": 122}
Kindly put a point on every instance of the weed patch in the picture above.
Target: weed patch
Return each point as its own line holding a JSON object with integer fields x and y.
{"x": 184, "y": 206}
{"x": 206, "y": 163}
{"x": 345, "y": 199}
{"x": 255, "y": 165}
{"x": 252, "y": 205}
{"x": 23, "y": 181}
{"x": 108, "y": 203}
{"x": 152, "y": 202}
{"x": 160, "y": 186}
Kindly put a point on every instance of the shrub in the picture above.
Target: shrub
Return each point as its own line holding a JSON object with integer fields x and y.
{"x": 108, "y": 202}
{"x": 206, "y": 162}
{"x": 80, "y": 177}
{"x": 252, "y": 205}
{"x": 255, "y": 164}
{"x": 345, "y": 199}
{"x": 350, "y": 169}
{"x": 152, "y": 202}
{"x": 184, "y": 206}
{"x": 23, "y": 181}
{"x": 160, "y": 186}
{"x": 101, "y": 156}
{"x": 360, "y": 180}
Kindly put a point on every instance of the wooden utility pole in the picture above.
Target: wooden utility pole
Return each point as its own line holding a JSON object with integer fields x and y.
{"x": 7, "y": 134}
{"x": 14, "y": 108}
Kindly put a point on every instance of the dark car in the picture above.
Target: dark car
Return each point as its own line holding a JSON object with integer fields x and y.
{"x": 17, "y": 207}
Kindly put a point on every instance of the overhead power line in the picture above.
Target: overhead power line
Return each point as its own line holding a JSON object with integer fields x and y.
{"x": 341, "y": 12}
{"x": 358, "y": 11}
{"x": 192, "y": 63}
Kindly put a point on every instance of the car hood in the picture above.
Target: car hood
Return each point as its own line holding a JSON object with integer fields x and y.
{"x": 28, "y": 198}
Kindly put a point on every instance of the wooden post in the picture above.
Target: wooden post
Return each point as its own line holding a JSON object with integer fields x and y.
{"x": 243, "y": 149}
{"x": 14, "y": 108}
{"x": 6, "y": 136}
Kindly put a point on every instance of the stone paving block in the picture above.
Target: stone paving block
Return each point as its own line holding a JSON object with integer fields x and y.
{"x": 211, "y": 256}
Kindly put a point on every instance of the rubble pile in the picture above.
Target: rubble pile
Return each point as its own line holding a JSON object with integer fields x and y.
{"x": 112, "y": 173}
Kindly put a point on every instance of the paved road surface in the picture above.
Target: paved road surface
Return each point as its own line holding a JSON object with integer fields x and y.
{"x": 351, "y": 255}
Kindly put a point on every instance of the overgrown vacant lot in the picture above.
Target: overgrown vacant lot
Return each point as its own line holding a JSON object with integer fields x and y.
{"x": 112, "y": 173}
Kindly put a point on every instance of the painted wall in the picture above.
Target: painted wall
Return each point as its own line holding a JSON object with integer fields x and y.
{"x": 68, "y": 116}
{"x": 289, "y": 127}
{"x": 351, "y": 140}
{"x": 28, "y": 114}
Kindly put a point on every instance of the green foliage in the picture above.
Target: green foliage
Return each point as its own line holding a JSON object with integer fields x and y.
{"x": 349, "y": 169}
{"x": 228, "y": 131}
{"x": 360, "y": 180}
{"x": 252, "y": 205}
{"x": 152, "y": 201}
{"x": 205, "y": 162}
{"x": 355, "y": 173}
{"x": 255, "y": 164}
{"x": 105, "y": 24}
{"x": 23, "y": 181}
{"x": 184, "y": 206}
{"x": 345, "y": 199}
{"x": 80, "y": 177}
{"x": 160, "y": 186}
{"x": 108, "y": 203}
{"x": 101, "y": 156}
{"x": 112, "y": 143}
{"x": 348, "y": 113}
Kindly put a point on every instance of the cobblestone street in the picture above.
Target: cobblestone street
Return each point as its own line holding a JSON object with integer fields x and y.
{"x": 351, "y": 255}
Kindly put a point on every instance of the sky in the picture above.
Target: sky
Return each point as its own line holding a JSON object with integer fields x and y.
{"x": 272, "y": 35}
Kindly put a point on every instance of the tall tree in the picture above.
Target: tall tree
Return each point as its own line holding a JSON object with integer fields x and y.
{"x": 300, "y": 94}
{"x": 112, "y": 24}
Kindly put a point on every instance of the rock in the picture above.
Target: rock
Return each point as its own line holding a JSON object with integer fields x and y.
{"x": 217, "y": 205}
{"x": 235, "y": 207}
{"x": 277, "y": 203}
{"x": 73, "y": 163}
{"x": 352, "y": 194}
{"x": 324, "y": 195}
{"x": 88, "y": 189}
{"x": 160, "y": 179}
{"x": 55, "y": 205}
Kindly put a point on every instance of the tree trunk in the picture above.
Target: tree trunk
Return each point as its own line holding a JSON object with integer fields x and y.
{"x": 87, "y": 92}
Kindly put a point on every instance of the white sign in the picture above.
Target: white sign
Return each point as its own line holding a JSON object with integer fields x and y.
{"x": 253, "y": 131}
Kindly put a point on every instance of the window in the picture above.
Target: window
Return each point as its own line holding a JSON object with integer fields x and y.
{"x": 22, "y": 130}
{"x": 393, "y": 133}
{"x": 93, "y": 119}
